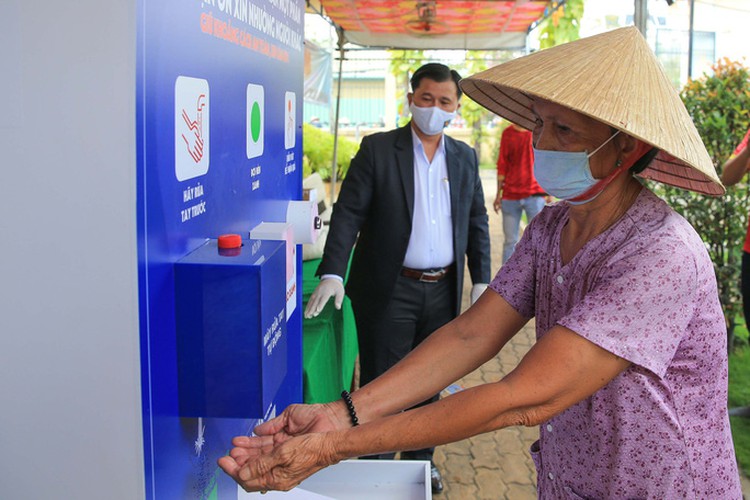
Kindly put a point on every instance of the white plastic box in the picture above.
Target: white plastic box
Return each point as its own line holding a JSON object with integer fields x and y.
{"x": 361, "y": 480}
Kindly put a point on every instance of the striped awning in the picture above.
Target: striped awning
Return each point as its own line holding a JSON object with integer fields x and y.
{"x": 436, "y": 24}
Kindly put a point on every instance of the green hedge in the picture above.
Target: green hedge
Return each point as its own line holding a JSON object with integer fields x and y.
{"x": 317, "y": 150}
{"x": 719, "y": 104}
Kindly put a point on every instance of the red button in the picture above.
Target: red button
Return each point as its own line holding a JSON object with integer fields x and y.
{"x": 230, "y": 241}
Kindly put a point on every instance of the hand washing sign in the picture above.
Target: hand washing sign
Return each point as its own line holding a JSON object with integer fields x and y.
{"x": 192, "y": 127}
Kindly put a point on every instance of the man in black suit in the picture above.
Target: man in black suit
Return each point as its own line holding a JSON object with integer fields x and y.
{"x": 412, "y": 201}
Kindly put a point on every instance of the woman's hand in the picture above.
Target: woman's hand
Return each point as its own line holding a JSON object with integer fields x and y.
{"x": 498, "y": 203}
{"x": 264, "y": 461}
{"x": 258, "y": 464}
{"x": 303, "y": 419}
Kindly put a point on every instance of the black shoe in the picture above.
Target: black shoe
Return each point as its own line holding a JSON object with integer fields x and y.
{"x": 437, "y": 480}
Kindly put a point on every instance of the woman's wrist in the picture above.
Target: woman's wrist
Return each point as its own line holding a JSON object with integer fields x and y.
{"x": 350, "y": 408}
{"x": 341, "y": 444}
{"x": 339, "y": 414}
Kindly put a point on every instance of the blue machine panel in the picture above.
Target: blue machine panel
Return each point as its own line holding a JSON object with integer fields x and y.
{"x": 219, "y": 89}
{"x": 231, "y": 329}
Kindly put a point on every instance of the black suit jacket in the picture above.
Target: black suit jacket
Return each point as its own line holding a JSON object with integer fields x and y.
{"x": 376, "y": 202}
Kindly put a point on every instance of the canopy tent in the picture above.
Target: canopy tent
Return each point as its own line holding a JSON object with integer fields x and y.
{"x": 427, "y": 25}
{"x": 431, "y": 24}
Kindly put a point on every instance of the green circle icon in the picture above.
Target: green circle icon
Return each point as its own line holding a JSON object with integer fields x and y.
{"x": 255, "y": 122}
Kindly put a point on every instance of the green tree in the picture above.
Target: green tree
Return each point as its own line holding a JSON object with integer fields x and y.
{"x": 562, "y": 25}
{"x": 719, "y": 105}
{"x": 473, "y": 114}
{"x": 317, "y": 152}
{"x": 403, "y": 64}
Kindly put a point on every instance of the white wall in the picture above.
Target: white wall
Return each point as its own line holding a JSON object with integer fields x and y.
{"x": 70, "y": 410}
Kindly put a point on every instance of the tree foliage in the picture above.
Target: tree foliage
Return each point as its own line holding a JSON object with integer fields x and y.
{"x": 403, "y": 64}
{"x": 317, "y": 151}
{"x": 473, "y": 114}
{"x": 719, "y": 105}
{"x": 563, "y": 25}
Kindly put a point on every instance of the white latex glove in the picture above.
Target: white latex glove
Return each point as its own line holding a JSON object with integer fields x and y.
{"x": 476, "y": 291}
{"x": 327, "y": 288}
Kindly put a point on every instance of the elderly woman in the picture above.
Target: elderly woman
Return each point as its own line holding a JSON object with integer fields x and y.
{"x": 628, "y": 377}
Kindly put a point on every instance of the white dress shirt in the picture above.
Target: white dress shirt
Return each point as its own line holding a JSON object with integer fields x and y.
{"x": 431, "y": 239}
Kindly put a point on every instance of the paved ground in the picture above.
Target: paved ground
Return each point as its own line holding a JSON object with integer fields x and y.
{"x": 496, "y": 465}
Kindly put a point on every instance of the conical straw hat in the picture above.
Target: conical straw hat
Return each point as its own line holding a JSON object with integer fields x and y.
{"x": 616, "y": 79}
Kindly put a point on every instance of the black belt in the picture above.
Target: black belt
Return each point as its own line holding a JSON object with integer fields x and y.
{"x": 428, "y": 275}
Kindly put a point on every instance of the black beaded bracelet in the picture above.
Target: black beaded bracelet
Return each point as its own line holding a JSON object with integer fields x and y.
{"x": 350, "y": 406}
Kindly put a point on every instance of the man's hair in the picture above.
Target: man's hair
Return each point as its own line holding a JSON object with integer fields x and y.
{"x": 436, "y": 72}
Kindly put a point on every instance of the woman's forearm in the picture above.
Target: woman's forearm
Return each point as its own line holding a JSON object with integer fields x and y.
{"x": 735, "y": 168}
{"x": 500, "y": 184}
{"x": 460, "y": 416}
{"x": 451, "y": 352}
{"x": 560, "y": 370}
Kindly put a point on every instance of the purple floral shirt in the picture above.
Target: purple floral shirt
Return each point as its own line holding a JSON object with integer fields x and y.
{"x": 644, "y": 290}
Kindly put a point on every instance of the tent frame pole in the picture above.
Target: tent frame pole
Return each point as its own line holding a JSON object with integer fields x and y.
{"x": 334, "y": 172}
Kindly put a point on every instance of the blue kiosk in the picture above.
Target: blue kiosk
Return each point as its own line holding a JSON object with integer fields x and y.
{"x": 220, "y": 151}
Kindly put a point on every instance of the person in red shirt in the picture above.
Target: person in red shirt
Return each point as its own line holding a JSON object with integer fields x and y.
{"x": 733, "y": 172}
{"x": 517, "y": 190}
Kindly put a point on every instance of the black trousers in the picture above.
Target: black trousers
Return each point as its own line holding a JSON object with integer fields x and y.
{"x": 745, "y": 286}
{"x": 415, "y": 310}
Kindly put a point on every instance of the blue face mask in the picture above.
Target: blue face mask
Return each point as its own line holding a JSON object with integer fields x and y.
{"x": 430, "y": 120}
{"x": 566, "y": 175}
